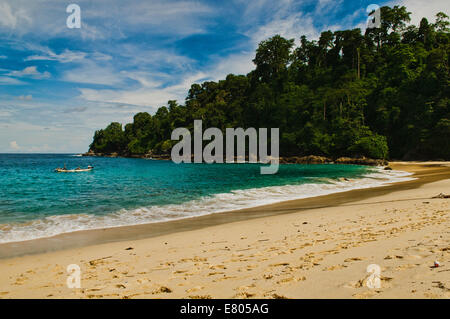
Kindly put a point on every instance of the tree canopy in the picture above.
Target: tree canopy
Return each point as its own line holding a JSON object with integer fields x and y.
{"x": 382, "y": 94}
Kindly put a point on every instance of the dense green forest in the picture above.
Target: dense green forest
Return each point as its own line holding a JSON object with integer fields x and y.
{"x": 382, "y": 94}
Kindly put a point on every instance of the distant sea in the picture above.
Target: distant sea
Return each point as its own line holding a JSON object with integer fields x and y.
{"x": 36, "y": 202}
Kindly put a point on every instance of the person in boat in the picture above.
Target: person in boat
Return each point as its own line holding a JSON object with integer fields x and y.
{"x": 64, "y": 168}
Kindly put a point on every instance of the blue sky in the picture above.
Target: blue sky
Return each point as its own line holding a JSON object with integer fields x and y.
{"x": 59, "y": 85}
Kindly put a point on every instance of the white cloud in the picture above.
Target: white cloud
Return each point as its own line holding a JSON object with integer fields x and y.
{"x": 99, "y": 68}
{"x": 240, "y": 63}
{"x": 327, "y": 5}
{"x": 91, "y": 73}
{"x": 65, "y": 57}
{"x": 138, "y": 56}
{"x": 30, "y": 72}
{"x": 58, "y": 137}
{"x": 420, "y": 8}
{"x": 11, "y": 18}
{"x": 144, "y": 78}
{"x": 106, "y": 19}
{"x": 101, "y": 56}
{"x": 13, "y": 145}
{"x": 90, "y": 32}
{"x": 145, "y": 96}
{"x": 141, "y": 97}
{"x": 150, "y": 93}
{"x": 162, "y": 16}
{"x": 290, "y": 27}
{"x": 6, "y": 80}
{"x": 28, "y": 97}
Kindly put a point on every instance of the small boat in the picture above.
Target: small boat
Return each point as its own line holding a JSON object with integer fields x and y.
{"x": 76, "y": 170}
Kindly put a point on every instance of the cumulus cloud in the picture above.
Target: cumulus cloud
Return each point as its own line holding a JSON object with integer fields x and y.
{"x": 30, "y": 72}
{"x": 13, "y": 145}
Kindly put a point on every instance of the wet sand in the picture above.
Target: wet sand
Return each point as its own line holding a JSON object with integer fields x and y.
{"x": 310, "y": 248}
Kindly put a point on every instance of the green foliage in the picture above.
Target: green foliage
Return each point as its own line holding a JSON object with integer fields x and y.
{"x": 111, "y": 139}
{"x": 374, "y": 146}
{"x": 379, "y": 94}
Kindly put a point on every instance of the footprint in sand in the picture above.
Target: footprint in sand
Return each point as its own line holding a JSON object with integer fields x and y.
{"x": 21, "y": 279}
{"x": 335, "y": 267}
{"x": 194, "y": 289}
{"x": 355, "y": 284}
{"x": 413, "y": 257}
{"x": 362, "y": 283}
{"x": 291, "y": 279}
{"x": 279, "y": 264}
{"x": 353, "y": 259}
{"x": 244, "y": 295}
{"x": 217, "y": 267}
{"x": 162, "y": 289}
{"x": 404, "y": 267}
{"x": 215, "y": 273}
{"x": 245, "y": 287}
{"x": 180, "y": 271}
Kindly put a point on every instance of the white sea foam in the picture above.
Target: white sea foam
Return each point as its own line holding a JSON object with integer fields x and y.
{"x": 238, "y": 199}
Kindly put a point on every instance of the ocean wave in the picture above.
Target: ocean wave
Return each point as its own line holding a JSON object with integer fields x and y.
{"x": 235, "y": 200}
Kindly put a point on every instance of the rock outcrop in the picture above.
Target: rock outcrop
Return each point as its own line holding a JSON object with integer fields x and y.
{"x": 361, "y": 161}
{"x": 310, "y": 159}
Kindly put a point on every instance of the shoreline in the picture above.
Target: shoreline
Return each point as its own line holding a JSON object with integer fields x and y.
{"x": 89, "y": 237}
{"x": 307, "y": 248}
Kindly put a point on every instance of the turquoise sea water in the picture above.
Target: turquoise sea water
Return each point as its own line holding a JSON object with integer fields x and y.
{"x": 37, "y": 202}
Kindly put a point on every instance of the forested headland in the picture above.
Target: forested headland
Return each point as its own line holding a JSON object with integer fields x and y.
{"x": 382, "y": 94}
